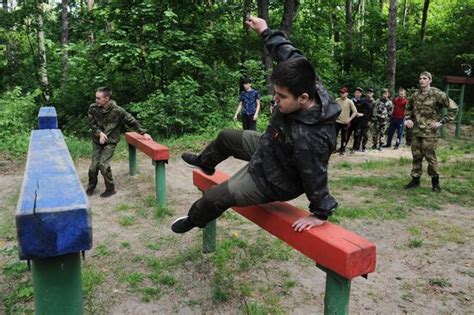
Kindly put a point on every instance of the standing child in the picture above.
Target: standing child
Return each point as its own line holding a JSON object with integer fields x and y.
{"x": 382, "y": 111}
{"x": 397, "y": 120}
{"x": 249, "y": 106}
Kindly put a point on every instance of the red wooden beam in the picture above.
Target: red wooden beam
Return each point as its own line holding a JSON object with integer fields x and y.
{"x": 458, "y": 80}
{"x": 156, "y": 151}
{"x": 329, "y": 245}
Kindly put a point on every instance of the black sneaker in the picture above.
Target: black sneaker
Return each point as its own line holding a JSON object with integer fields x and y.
{"x": 108, "y": 193}
{"x": 194, "y": 160}
{"x": 89, "y": 191}
{"x": 396, "y": 147}
{"x": 182, "y": 225}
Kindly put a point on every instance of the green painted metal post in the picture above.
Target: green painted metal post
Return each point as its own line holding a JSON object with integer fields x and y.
{"x": 57, "y": 285}
{"x": 132, "y": 160}
{"x": 460, "y": 110}
{"x": 209, "y": 238}
{"x": 160, "y": 183}
{"x": 336, "y": 297}
{"x": 442, "y": 130}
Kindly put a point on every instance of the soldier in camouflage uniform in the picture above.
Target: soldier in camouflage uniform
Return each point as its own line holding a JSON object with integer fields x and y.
{"x": 107, "y": 120}
{"x": 288, "y": 159}
{"x": 423, "y": 113}
{"x": 382, "y": 111}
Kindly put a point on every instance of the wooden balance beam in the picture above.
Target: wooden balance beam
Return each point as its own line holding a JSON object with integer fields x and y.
{"x": 342, "y": 254}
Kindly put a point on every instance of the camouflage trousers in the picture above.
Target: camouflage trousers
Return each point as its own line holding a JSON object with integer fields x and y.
{"x": 101, "y": 157}
{"x": 378, "y": 131}
{"x": 422, "y": 147}
{"x": 240, "y": 189}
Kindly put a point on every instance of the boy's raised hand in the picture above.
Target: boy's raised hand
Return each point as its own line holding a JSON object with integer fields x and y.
{"x": 257, "y": 24}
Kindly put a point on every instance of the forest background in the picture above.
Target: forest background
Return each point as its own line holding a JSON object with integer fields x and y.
{"x": 176, "y": 65}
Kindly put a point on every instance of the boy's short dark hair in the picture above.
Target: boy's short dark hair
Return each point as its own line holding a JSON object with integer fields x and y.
{"x": 246, "y": 80}
{"x": 297, "y": 75}
{"x": 105, "y": 90}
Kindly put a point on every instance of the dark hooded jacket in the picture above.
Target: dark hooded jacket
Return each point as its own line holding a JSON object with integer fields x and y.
{"x": 294, "y": 151}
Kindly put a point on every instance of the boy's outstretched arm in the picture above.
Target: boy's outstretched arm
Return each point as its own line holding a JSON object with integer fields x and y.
{"x": 277, "y": 43}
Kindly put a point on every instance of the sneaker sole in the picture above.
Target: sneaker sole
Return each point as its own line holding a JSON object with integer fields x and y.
{"x": 197, "y": 167}
{"x": 180, "y": 218}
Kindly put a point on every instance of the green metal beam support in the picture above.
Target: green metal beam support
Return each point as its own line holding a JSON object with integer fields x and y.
{"x": 132, "y": 160}
{"x": 57, "y": 285}
{"x": 442, "y": 130}
{"x": 209, "y": 238}
{"x": 460, "y": 110}
{"x": 336, "y": 297}
{"x": 160, "y": 183}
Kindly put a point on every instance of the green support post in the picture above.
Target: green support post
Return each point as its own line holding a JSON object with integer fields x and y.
{"x": 57, "y": 285}
{"x": 132, "y": 160}
{"x": 460, "y": 110}
{"x": 442, "y": 131}
{"x": 160, "y": 183}
{"x": 336, "y": 297}
{"x": 209, "y": 237}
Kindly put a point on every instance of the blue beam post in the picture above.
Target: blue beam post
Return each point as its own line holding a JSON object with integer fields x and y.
{"x": 53, "y": 223}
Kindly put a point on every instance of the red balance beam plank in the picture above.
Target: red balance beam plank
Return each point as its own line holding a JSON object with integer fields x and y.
{"x": 156, "y": 151}
{"x": 458, "y": 80}
{"x": 331, "y": 246}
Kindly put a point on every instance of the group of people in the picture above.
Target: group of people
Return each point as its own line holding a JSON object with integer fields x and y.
{"x": 361, "y": 114}
{"x": 291, "y": 157}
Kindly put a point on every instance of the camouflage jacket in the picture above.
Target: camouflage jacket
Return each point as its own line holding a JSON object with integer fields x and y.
{"x": 383, "y": 109}
{"x": 112, "y": 121}
{"x": 293, "y": 153}
{"x": 426, "y": 109}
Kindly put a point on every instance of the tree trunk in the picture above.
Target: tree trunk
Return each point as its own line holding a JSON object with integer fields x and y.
{"x": 392, "y": 45}
{"x": 348, "y": 43}
{"x": 64, "y": 38}
{"x": 267, "y": 58}
{"x": 405, "y": 13}
{"x": 289, "y": 14}
{"x": 5, "y": 5}
{"x": 90, "y": 6}
{"x": 424, "y": 20}
{"x": 43, "y": 72}
{"x": 245, "y": 12}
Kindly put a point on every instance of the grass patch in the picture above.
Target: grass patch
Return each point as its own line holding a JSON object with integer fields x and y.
{"x": 127, "y": 220}
{"x": 439, "y": 282}
{"x": 92, "y": 279}
{"x": 415, "y": 243}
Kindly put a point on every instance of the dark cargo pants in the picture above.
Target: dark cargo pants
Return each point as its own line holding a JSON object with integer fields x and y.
{"x": 101, "y": 157}
{"x": 240, "y": 189}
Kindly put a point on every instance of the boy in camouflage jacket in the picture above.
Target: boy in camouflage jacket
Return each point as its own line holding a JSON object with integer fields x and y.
{"x": 107, "y": 120}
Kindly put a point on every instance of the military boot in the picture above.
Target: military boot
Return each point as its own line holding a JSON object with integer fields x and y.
{"x": 435, "y": 184}
{"x": 415, "y": 182}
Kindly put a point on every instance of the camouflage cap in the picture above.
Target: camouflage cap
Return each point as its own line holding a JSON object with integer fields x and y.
{"x": 426, "y": 74}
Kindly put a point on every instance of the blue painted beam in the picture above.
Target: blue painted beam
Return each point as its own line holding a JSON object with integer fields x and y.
{"x": 47, "y": 118}
{"x": 53, "y": 211}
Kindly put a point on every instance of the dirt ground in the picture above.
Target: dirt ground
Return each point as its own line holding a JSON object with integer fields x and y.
{"x": 402, "y": 283}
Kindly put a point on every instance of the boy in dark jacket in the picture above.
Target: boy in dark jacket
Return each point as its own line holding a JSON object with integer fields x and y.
{"x": 289, "y": 159}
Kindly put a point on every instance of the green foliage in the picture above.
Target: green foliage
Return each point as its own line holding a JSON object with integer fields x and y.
{"x": 16, "y": 111}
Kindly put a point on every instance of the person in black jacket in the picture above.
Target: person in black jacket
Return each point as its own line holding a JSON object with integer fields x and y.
{"x": 288, "y": 159}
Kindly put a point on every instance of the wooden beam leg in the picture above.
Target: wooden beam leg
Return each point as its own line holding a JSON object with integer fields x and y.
{"x": 57, "y": 285}
{"x": 336, "y": 298}
{"x": 160, "y": 183}
{"x": 209, "y": 238}
{"x": 132, "y": 160}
